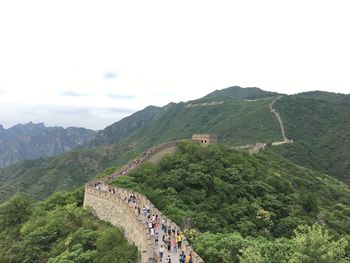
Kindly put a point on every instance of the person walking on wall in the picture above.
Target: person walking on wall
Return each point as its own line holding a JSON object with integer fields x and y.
{"x": 179, "y": 240}
{"x": 189, "y": 258}
{"x": 161, "y": 253}
{"x": 182, "y": 257}
{"x": 173, "y": 244}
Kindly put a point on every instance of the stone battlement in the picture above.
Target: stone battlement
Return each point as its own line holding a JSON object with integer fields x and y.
{"x": 205, "y": 139}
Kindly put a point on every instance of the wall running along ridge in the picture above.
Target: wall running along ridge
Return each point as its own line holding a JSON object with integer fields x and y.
{"x": 114, "y": 209}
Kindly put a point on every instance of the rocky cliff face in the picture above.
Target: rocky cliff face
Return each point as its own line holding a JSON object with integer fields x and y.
{"x": 31, "y": 141}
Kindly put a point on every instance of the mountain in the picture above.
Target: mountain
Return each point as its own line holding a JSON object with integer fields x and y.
{"x": 31, "y": 141}
{"x": 318, "y": 122}
{"x": 237, "y": 92}
{"x": 237, "y": 121}
{"x": 124, "y": 127}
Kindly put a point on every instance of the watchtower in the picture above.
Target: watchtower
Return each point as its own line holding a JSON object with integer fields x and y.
{"x": 205, "y": 139}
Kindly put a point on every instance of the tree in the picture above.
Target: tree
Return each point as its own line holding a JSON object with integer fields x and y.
{"x": 16, "y": 211}
{"x": 311, "y": 244}
{"x": 112, "y": 247}
{"x": 314, "y": 244}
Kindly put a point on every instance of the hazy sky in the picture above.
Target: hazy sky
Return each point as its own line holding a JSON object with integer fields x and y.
{"x": 90, "y": 63}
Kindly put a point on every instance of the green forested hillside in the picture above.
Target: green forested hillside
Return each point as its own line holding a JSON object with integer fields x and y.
{"x": 241, "y": 200}
{"x": 59, "y": 230}
{"x": 42, "y": 177}
{"x": 123, "y": 128}
{"x": 319, "y": 123}
{"x": 236, "y": 121}
{"x": 237, "y": 92}
{"x": 260, "y": 208}
{"x": 239, "y": 116}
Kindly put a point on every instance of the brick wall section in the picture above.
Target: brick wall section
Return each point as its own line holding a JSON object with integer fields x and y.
{"x": 114, "y": 209}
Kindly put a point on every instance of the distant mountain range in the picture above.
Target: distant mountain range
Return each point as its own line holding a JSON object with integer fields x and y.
{"x": 32, "y": 141}
{"x": 317, "y": 122}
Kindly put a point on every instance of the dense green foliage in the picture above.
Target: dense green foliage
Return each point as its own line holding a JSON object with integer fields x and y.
{"x": 309, "y": 244}
{"x": 220, "y": 189}
{"x": 58, "y": 230}
{"x": 319, "y": 123}
{"x": 223, "y": 191}
{"x": 42, "y": 177}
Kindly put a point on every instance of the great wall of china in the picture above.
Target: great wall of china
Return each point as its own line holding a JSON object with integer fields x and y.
{"x": 278, "y": 116}
{"x": 111, "y": 206}
{"x": 255, "y": 148}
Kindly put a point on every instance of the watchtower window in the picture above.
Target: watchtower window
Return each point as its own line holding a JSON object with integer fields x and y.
{"x": 205, "y": 141}
{"x": 202, "y": 141}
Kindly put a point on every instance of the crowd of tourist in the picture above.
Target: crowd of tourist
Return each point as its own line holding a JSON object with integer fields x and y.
{"x": 171, "y": 238}
{"x": 102, "y": 186}
{"x": 129, "y": 166}
{"x": 134, "y": 163}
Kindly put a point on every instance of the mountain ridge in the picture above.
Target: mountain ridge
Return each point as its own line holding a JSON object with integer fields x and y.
{"x": 35, "y": 140}
{"x": 236, "y": 121}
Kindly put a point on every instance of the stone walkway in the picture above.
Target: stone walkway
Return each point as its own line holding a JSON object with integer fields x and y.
{"x": 174, "y": 255}
{"x": 153, "y": 154}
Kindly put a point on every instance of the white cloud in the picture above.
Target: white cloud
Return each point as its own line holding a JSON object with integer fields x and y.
{"x": 161, "y": 51}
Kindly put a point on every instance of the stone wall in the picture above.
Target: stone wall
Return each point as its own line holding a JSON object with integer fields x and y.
{"x": 205, "y": 139}
{"x": 145, "y": 156}
{"x": 114, "y": 209}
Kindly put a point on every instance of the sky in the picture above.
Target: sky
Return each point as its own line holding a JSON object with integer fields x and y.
{"x": 91, "y": 63}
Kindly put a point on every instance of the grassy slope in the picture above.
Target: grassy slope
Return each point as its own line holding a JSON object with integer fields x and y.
{"x": 320, "y": 125}
{"x": 236, "y": 122}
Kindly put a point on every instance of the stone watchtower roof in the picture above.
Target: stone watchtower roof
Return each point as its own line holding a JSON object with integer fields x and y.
{"x": 205, "y": 138}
